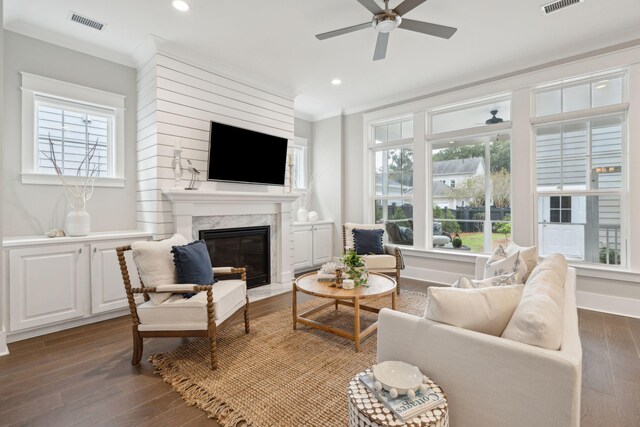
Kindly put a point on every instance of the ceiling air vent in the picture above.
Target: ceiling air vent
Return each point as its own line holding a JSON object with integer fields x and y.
{"x": 86, "y": 21}
{"x": 557, "y": 5}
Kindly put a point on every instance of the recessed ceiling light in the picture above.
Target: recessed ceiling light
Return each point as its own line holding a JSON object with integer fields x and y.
{"x": 181, "y": 5}
{"x": 452, "y": 142}
{"x": 336, "y": 82}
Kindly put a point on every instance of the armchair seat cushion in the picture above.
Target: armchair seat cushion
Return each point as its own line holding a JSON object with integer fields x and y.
{"x": 378, "y": 262}
{"x": 178, "y": 313}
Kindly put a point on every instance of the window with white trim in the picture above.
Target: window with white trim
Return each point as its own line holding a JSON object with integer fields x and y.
{"x": 391, "y": 151}
{"x": 81, "y": 127}
{"x": 300, "y": 164}
{"x": 470, "y": 175}
{"x": 77, "y": 136}
{"x": 580, "y": 136}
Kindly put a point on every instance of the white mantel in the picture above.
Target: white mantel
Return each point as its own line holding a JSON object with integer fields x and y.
{"x": 187, "y": 204}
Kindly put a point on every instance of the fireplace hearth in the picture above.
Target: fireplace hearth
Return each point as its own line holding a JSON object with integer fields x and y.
{"x": 247, "y": 247}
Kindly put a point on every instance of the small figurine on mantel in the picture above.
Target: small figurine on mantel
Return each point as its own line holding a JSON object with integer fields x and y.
{"x": 195, "y": 174}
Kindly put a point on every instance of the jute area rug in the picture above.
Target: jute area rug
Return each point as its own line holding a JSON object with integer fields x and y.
{"x": 276, "y": 376}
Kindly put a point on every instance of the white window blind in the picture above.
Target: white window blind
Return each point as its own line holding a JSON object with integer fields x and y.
{"x": 76, "y": 130}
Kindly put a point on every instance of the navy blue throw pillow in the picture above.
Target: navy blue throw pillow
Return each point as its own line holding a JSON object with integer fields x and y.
{"x": 368, "y": 241}
{"x": 193, "y": 263}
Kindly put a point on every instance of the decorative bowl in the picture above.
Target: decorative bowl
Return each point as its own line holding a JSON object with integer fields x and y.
{"x": 397, "y": 378}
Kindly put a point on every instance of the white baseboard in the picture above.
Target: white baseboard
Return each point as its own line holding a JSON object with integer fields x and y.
{"x": 609, "y": 304}
{"x": 4, "y": 350}
{"x": 23, "y": 335}
{"x": 430, "y": 276}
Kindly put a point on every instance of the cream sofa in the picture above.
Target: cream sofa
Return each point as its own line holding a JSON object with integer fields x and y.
{"x": 492, "y": 381}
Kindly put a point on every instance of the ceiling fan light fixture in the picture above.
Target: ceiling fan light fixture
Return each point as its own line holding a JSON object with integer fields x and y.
{"x": 387, "y": 24}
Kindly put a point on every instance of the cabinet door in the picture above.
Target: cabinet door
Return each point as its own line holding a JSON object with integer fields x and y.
{"x": 47, "y": 284}
{"x": 322, "y": 243}
{"x": 107, "y": 287}
{"x": 303, "y": 247}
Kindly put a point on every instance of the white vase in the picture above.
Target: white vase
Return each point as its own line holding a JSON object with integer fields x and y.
{"x": 313, "y": 216}
{"x": 302, "y": 214}
{"x": 77, "y": 222}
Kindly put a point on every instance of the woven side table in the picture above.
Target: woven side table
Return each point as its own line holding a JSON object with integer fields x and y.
{"x": 365, "y": 410}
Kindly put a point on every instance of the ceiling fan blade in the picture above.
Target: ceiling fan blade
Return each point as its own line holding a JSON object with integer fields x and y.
{"x": 342, "y": 31}
{"x": 428, "y": 28}
{"x": 381, "y": 46}
{"x": 371, "y": 6}
{"x": 407, "y": 6}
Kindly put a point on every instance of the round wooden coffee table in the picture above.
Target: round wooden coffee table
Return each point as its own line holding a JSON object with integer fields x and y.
{"x": 378, "y": 285}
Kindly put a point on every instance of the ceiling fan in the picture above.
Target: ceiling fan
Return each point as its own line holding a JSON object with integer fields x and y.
{"x": 386, "y": 20}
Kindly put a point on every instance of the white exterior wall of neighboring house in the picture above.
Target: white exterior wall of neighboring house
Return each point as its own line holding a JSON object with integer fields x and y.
{"x": 454, "y": 170}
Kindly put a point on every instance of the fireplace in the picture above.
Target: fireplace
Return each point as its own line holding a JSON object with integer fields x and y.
{"x": 247, "y": 247}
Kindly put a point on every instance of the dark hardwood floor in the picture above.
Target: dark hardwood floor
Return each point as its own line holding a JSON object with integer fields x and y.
{"x": 83, "y": 376}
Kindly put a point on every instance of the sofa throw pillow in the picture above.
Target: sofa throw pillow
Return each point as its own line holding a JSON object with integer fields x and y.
{"x": 505, "y": 280}
{"x": 368, "y": 241}
{"x": 155, "y": 264}
{"x": 193, "y": 263}
{"x": 528, "y": 253}
{"x": 485, "y": 310}
{"x": 536, "y": 321}
{"x": 500, "y": 264}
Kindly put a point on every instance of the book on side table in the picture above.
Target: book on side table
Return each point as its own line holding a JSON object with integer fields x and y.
{"x": 404, "y": 407}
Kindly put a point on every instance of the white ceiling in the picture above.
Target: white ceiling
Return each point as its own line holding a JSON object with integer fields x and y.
{"x": 272, "y": 43}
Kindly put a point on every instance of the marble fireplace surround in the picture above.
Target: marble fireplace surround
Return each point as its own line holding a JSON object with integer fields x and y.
{"x": 200, "y": 210}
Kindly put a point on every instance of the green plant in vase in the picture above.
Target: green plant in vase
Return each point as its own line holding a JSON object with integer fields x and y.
{"x": 354, "y": 267}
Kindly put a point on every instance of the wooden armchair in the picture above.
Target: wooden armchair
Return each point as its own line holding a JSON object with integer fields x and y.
{"x": 389, "y": 263}
{"x": 212, "y": 308}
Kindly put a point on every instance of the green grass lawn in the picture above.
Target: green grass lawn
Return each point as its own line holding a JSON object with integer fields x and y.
{"x": 476, "y": 241}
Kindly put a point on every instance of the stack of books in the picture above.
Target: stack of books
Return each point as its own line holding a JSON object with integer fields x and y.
{"x": 326, "y": 277}
{"x": 403, "y": 407}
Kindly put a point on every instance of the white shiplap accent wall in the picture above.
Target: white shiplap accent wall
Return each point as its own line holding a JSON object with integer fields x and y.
{"x": 178, "y": 100}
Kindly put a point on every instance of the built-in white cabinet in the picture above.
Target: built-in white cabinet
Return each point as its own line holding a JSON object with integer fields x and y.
{"x": 313, "y": 244}
{"x": 107, "y": 288}
{"x": 47, "y": 284}
{"x": 60, "y": 282}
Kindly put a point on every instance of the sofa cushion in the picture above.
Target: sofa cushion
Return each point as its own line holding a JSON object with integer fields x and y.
{"x": 348, "y": 232}
{"x": 377, "y": 262}
{"x": 368, "y": 241}
{"x": 179, "y": 313}
{"x": 485, "y": 310}
{"x": 538, "y": 319}
{"x": 500, "y": 264}
{"x": 193, "y": 263}
{"x": 504, "y": 280}
{"x": 528, "y": 253}
{"x": 155, "y": 263}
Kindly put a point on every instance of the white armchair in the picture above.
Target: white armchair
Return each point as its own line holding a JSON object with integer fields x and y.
{"x": 202, "y": 315}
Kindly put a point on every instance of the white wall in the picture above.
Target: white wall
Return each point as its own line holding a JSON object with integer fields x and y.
{"x": 327, "y": 160}
{"x": 598, "y": 288}
{"x": 179, "y": 99}
{"x": 302, "y": 128}
{"x": 354, "y": 161}
{"x": 3, "y": 333}
{"x": 33, "y": 209}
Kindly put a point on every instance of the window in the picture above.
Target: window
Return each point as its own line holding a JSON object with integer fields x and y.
{"x": 579, "y": 171}
{"x": 75, "y": 132}
{"x": 392, "y": 159}
{"x": 300, "y": 163}
{"x": 471, "y": 175}
{"x": 75, "y": 122}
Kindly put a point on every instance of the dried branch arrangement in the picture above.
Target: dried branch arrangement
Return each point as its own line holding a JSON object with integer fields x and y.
{"x": 77, "y": 194}
{"x": 312, "y": 183}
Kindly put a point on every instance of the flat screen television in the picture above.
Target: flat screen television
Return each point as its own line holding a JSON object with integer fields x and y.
{"x": 242, "y": 155}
